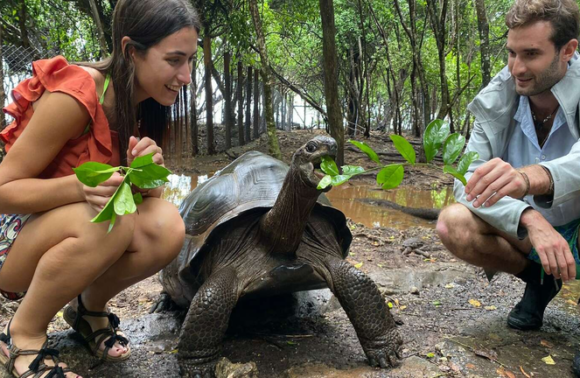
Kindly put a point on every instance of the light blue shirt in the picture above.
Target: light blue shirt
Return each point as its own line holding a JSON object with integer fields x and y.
{"x": 524, "y": 149}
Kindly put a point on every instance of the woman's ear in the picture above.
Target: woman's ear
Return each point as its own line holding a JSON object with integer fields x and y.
{"x": 126, "y": 44}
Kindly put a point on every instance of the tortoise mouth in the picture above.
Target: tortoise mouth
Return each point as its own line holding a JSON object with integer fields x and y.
{"x": 314, "y": 174}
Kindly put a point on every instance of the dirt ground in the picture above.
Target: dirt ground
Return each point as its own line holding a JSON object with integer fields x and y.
{"x": 451, "y": 318}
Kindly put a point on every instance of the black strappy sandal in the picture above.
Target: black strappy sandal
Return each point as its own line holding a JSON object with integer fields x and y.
{"x": 37, "y": 367}
{"x": 94, "y": 339}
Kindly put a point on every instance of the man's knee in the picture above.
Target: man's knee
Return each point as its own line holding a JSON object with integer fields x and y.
{"x": 453, "y": 228}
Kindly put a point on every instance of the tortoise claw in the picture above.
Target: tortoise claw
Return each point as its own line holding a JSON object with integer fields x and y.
{"x": 383, "y": 362}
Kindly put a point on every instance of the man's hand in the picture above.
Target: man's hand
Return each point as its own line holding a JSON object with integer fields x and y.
{"x": 552, "y": 248}
{"x": 492, "y": 181}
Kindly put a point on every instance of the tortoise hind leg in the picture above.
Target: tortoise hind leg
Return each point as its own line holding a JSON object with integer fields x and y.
{"x": 366, "y": 309}
{"x": 206, "y": 323}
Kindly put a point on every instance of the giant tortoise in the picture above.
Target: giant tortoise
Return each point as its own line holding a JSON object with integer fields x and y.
{"x": 258, "y": 228}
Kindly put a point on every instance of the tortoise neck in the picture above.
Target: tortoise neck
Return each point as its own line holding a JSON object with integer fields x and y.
{"x": 282, "y": 227}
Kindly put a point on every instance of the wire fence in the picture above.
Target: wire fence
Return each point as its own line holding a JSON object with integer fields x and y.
{"x": 17, "y": 66}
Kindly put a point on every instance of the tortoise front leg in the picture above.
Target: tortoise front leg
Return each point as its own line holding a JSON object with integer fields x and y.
{"x": 206, "y": 323}
{"x": 366, "y": 309}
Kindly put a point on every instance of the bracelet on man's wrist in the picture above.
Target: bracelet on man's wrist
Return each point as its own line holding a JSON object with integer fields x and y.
{"x": 527, "y": 181}
{"x": 551, "y": 188}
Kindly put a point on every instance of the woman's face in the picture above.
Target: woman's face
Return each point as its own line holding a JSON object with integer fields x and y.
{"x": 164, "y": 68}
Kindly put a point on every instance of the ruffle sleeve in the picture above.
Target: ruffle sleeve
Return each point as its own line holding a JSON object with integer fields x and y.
{"x": 57, "y": 75}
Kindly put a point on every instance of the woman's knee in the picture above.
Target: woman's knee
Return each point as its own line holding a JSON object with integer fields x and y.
{"x": 161, "y": 229}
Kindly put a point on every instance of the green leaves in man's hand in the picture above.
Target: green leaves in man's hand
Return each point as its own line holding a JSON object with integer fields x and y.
{"x": 435, "y": 134}
{"x": 333, "y": 176}
{"x": 452, "y": 148}
{"x": 143, "y": 173}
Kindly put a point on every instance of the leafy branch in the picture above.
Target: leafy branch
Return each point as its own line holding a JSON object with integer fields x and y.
{"x": 390, "y": 176}
{"x": 143, "y": 173}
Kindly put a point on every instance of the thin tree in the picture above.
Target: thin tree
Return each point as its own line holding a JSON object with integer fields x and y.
{"x": 208, "y": 92}
{"x": 193, "y": 109}
{"x": 256, "y": 104}
{"x": 483, "y": 27}
{"x": 331, "y": 77}
{"x": 248, "y": 104}
{"x": 239, "y": 90}
{"x": 228, "y": 99}
{"x": 100, "y": 30}
{"x": 273, "y": 147}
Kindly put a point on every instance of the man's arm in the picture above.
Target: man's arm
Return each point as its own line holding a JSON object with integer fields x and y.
{"x": 565, "y": 173}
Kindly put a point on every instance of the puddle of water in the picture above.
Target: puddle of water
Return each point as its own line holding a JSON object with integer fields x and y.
{"x": 345, "y": 198}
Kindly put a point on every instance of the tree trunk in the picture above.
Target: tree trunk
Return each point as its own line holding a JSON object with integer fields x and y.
{"x": 291, "y": 111}
{"x": 100, "y": 30}
{"x": 331, "y": 77}
{"x": 273, "y": 147}
{"x": 256, "y": 120}
{"x": 208, "y": 92}
{"x": 193, "y": 107}
{"x": 483, "y": 27}
{"x": 248, "y": 105}
{"x": 22, "y": 23}
{"x": 240, "y": 103}
{"x": 228, "y": 99}
{"x": 2, "y": 93}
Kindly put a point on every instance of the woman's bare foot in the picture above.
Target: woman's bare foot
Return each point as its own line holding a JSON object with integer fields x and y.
{"x": 97, "y": 323}
{"x": 35, "y": 343}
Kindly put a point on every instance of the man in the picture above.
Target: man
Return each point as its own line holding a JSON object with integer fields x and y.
{"x": 521, "y": 204}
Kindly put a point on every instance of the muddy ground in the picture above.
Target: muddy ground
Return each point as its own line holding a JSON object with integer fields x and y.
{"x": 451, "y": 318}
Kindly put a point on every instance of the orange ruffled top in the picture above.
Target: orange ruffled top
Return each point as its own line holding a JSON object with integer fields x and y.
{"x": 99, "y": 144}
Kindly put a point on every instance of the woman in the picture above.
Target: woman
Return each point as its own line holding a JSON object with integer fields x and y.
{"x": 65, "y": 115}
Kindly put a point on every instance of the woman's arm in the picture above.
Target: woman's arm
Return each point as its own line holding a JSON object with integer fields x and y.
{"x": 57, "y": 118}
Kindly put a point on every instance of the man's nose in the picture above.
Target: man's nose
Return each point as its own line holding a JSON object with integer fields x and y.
{"x": 518, "y": 67}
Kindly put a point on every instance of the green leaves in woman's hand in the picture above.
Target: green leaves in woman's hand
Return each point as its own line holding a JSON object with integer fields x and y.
{"x": 143, "y": 173}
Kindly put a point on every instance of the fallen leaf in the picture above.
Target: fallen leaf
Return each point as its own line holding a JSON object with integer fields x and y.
{"x": 173, "y": 351}
{"x": 549, "y": 360}
{"x": 358, "y": 266}
{"x": 290, "y": 343}
{"x": 470, "y": 366}
{"x": 489, "y": 354}
{"x": 490, "y": 308}
{"x": 571, "y": 302}
{"x": 436, "y": 303}
{"x": 547, "y": 344}
{"x": 449, "y": 286}
{"x": 352, "y": 254}
{"x": 505, "y": 373}
{"x": 454, "y": 367}
{"x": 474, "y": 303}
{"x": 397, "y": 302}
{"x": 402, "y": 308}
{"x": 390, "y": 305}
{"x": 524, "y": 373}
{"x": 59, "y": 314}
{"x": 380, "y": 265}
{"x": 430, "y": 355}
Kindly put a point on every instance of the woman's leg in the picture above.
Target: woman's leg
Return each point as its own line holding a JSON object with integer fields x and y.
{"x": 56, "y": 256}
{"x": 158, "y": 238}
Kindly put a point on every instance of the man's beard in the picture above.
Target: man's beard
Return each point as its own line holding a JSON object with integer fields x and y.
{"x": 544, "y": 81}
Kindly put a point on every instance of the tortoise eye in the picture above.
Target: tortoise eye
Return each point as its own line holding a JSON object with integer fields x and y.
{"x": 310, "y": 147}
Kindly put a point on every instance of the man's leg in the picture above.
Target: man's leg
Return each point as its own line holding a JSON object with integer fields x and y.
{"x": 471, "y": 239}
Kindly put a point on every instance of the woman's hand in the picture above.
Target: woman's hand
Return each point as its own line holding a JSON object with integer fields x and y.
{"x": 144, "y": 147}
{"x": 99, "y": 196}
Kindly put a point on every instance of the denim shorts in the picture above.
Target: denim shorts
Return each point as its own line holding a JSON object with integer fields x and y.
{"x": 569, "y": 232}
{"x": 10, "y": 227}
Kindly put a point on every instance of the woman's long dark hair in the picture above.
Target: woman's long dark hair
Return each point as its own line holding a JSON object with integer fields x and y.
{"x": 146, "y": 22}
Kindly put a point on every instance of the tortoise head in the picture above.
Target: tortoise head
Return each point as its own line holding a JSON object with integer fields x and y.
{"x": 308, "y": 158}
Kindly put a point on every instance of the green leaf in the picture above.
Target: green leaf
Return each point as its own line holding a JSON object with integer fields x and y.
{"x": 404, "y": 148}
{"x": 149, "y": 176}
{"x": 92, "y": 173}
{"x": 466, "y": 161}
{"x": 452, "y": 148}
{"x": 366, "y": 149}
{"x": 339, "y": 180}
{"x": 124, "y": 203}
{"x": 436, "y": 303}
{"x": 430, "y": 355}
{"x": 106, "y": 213}
{"x": 352, "y": 170}
{"x": 138, "y": 198}
{"x": 112, "y": 222}
{"x": 391, "y": 176}
{"x": 328, "y": 166}
{"x": 142, "y": 161}
{"x": 435, "y": 134}
{"x": 449, "y": 169}
{"x": 326, "y": 180}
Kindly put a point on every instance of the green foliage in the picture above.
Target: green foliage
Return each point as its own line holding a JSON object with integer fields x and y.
{"x": 390, "y": 176}
{"x": 143, "y": 173}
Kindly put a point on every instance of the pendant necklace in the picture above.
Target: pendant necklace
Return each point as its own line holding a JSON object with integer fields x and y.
{"x": 540, "y": 124}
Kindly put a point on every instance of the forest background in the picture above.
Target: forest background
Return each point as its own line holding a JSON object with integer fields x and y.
{"x": 350, "y": 66}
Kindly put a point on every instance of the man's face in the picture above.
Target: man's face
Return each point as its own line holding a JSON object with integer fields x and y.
{"x": 533, "y": 60}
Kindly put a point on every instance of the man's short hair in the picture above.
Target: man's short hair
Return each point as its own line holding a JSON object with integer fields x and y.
{"x": 563, "y": 15}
